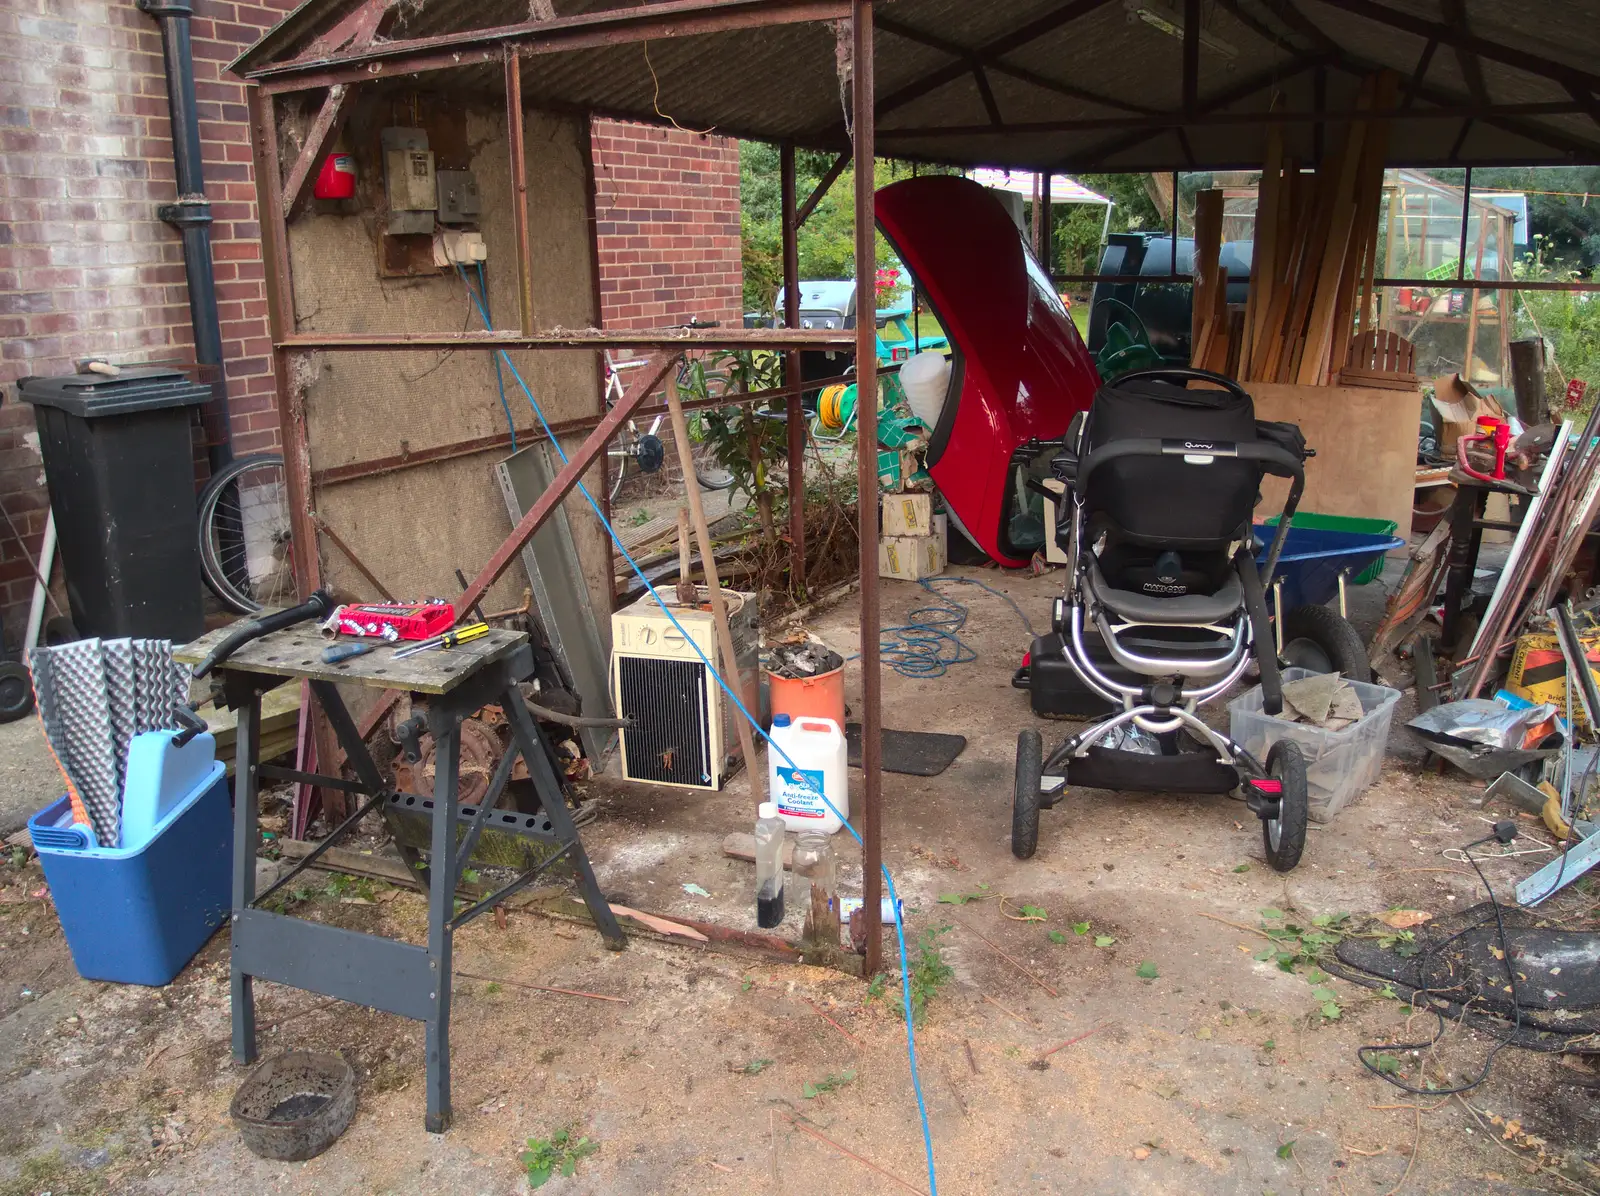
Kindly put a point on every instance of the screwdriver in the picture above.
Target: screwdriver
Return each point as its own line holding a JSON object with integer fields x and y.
{"x": 449, "y": 639}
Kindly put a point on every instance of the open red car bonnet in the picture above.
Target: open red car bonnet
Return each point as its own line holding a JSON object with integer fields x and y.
{"x": 1020, "y": 369}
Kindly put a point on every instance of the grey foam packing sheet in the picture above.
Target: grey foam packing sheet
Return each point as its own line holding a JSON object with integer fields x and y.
{"x": 160, "y": 684}
{"x": 79, "y": 724}
{"x": 94, "y": 697}
{"x": 121, "y": 700}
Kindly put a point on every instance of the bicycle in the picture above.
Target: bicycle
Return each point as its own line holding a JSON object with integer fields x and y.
{"x": 246, "y": 541}
{"x": 642, "y": 447}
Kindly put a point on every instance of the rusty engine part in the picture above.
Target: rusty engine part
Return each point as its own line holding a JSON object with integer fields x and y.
{"x": 485, "y": 740}
{"x": 482, "y": 748}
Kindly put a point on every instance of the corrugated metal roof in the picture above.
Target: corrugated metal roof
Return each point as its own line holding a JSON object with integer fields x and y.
{"x": 1109, "y": 65}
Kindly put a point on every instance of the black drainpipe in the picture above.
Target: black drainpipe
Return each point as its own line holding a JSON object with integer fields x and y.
{"x": 191, "y": 215}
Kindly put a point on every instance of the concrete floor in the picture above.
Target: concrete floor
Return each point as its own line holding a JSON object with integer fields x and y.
{"x": 1219, "y": 1074}
{"x": 29, "y": 778}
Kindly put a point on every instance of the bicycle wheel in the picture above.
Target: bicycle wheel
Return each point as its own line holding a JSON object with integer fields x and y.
{"x": 624, "y": 449}
{"x": 245, "y": 538}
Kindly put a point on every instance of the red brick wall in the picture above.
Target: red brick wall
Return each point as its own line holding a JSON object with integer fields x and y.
{"x": 667, "y": 205}
{"x": 86, "y": 268}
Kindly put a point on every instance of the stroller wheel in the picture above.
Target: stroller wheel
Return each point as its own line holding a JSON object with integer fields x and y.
{"x": 1284, "y": 837}
{"x": 1025, "y": 802}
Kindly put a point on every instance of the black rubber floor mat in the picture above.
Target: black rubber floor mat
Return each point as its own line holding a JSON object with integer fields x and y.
{"x": 1558, "y": 972}
{"x": 914, "y": 753}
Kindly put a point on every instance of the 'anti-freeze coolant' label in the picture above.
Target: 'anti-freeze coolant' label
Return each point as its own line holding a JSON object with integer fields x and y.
{"x": 799, "y": 793}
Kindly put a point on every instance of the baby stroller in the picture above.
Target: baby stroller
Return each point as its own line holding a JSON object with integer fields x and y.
{"x": 1165, "y": 604}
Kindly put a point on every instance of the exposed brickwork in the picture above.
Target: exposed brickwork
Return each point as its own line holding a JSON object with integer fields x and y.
{"x": 86, "y": 268}
{"x": 667, "y": 206}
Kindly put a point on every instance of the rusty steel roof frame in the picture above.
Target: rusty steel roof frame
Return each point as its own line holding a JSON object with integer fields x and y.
{"x": 354, "y": 51}
{"x": 356, "y": 57}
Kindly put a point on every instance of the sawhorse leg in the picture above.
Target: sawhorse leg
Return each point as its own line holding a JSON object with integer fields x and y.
{"x": 1466, "y": 536}
{"x": 548, "y": 786}
{"x": 445, "y": 725}
{"x": 245, "y": 783}
{"x": 439, "y": 877}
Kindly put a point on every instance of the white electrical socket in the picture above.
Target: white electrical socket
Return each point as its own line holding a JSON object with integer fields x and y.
{"x": 451, "y": 245}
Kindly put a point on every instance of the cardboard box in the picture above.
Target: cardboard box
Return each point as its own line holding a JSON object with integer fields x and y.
{"x": 1459, "y": 405}
{"x": 1539, "y": 671}
{"x": 901, "y": 469}
{"x": 908, "y": 513}
{"x": 911, "y": 558}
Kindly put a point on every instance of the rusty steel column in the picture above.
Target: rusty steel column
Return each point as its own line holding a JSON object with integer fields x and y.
{"x": 280, "y": 321}
{"x": 290, "y": 394}
{"x": 867, "y": 482}
{"x": 519, "y": 188}
{"x": 795, "y": 413}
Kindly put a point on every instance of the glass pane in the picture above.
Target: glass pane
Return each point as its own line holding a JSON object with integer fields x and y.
{"x": 1419, "y": 224}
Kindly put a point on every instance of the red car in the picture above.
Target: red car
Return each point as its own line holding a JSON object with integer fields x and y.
{"x": 1020, "y": 370}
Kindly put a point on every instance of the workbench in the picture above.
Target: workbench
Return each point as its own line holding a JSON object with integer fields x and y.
{"x": 382, "y": 973}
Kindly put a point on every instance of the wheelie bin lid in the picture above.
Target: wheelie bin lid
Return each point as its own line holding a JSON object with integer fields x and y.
{"x": 92, "y": 396}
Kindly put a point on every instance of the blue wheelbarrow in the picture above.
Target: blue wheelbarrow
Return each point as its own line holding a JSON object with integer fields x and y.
{"x": 1321, "y": 558}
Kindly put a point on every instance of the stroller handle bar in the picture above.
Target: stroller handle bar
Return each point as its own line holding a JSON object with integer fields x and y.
{"x": 1271, "y": 457}
{"x": 1183, "y": 375}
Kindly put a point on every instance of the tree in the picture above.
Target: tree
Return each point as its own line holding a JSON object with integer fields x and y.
{"x": 1075, "y": 230}
{"x": 827, "y": 247}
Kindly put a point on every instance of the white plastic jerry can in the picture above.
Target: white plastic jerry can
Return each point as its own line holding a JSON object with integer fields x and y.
{"x": 816, "y": 747}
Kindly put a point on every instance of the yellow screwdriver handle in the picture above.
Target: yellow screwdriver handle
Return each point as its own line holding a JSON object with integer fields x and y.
{"x": 473, "y": 631}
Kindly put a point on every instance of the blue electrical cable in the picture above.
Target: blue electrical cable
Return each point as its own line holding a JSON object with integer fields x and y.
{"x": 894, "y": 896}
{"x": 499, "y": 378}
{"x": 927, "y": 644}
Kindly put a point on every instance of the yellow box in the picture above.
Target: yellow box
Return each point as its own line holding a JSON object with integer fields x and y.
{"x": 1539, "y": 671}
{"x": 909, "y": 513}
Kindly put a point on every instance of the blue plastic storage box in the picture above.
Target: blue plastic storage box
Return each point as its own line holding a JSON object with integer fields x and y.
{"x": 138, "y": 915}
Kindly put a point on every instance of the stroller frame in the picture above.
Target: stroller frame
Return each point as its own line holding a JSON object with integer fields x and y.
{"x": 1157, "y": 697}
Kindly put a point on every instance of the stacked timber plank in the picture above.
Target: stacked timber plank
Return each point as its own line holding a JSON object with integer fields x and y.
{"x": 1311, "y": 290}
{"x": 280, "y": 723}
{"x": 1215, "y": 333}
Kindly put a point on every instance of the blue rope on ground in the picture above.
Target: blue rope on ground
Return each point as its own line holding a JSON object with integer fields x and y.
{"x": 894, "y": 896}
{"x": 928, "y": 644}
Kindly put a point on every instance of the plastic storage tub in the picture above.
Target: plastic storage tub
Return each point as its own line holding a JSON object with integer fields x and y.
{"x": 138, "y": 915}
{"x": 1339, "y": 764}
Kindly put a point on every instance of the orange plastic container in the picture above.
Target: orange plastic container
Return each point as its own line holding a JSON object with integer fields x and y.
{"x": 821, "y": 696}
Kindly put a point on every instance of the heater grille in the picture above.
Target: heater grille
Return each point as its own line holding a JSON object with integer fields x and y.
{"x": 671, "y": 742}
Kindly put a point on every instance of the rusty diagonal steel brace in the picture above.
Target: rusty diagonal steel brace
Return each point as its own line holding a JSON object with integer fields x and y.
{"x": 644, "y": 382}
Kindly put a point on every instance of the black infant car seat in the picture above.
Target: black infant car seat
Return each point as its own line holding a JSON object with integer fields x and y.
{"x": 1168, "y": 525}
